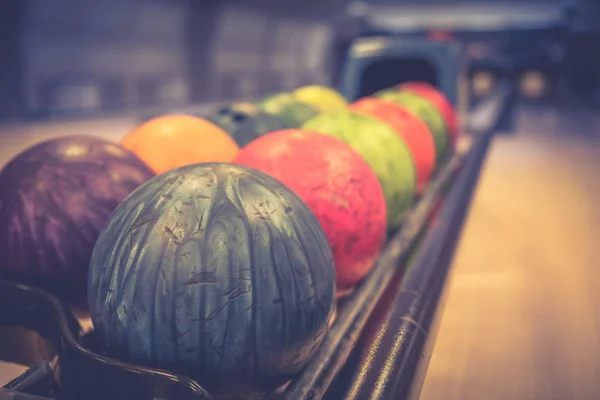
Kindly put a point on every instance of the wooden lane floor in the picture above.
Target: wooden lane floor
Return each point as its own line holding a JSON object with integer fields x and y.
{"x": 522, "y": 316}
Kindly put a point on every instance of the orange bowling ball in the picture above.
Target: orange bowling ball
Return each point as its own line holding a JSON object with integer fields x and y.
{"x": 413, "y": 130}
{"x": 175, "y": 140}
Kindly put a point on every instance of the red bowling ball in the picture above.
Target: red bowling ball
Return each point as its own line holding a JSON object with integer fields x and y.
{"x": 411, "y": 129}
{"x": 339, "y": 187}
{"x": 440, "y": 101}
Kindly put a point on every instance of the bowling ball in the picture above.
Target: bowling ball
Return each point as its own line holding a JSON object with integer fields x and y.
{"x": 414, "y": 131}
{"x": 440, "y": 101}
{"x": 174, "y": 140}
{"x": 426, "y": 111}
{"x": 285, "y": 106}
{"x": 337, "y": 184}
{"x": 55, "y": 197}
{"x": 382, "y": 148}
{"x": 215, "y": 271}
{"x": 245, "y": 122}
{"x": 321, "y": 98}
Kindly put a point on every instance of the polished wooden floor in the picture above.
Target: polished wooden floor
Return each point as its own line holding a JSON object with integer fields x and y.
{"x": 522, "y": 319}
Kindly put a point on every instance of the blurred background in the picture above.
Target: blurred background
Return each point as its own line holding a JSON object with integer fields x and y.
{"x": 521, "y": 317}
{"x": 114, "y": 56}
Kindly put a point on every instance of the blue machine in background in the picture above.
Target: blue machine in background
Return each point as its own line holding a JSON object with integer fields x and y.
{"x": 515, "y": 40}
{"x": 377, "y": 63}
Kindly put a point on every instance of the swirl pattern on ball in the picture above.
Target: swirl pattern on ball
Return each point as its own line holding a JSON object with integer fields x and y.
{"x": 215, "y": 271}
{"x": 55, "y": 198}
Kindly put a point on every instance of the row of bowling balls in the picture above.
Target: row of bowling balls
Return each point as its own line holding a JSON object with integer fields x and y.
{"x": 213, "y": 258}
{"x": 66, "y": 188}
{"x": 358, "y": 166}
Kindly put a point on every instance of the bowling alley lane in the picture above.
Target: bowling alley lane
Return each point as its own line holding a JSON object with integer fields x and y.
{"x": 521, "y": 319}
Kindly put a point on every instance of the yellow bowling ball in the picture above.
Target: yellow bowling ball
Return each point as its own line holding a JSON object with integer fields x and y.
{"x": 322, "y": 98}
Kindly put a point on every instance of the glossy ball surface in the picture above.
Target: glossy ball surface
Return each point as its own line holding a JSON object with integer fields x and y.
{"x": 215, "y": 271}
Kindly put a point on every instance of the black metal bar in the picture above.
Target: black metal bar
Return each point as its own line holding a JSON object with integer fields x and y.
{"x": 349, "y": 325}
{"x": 393, "y": 366}
{"x": 38, "y": 380}
{"x": 6, "y": 395}
{"x": 83, "y": 373}
{"x": 344, "y": 334}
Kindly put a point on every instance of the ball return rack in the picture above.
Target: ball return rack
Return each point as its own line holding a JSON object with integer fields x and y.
{"x": 378, "y": 347}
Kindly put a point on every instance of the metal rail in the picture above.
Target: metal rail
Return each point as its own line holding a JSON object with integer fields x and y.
{"x": 394, "y": 363}
{"x": 395, "y": 354}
